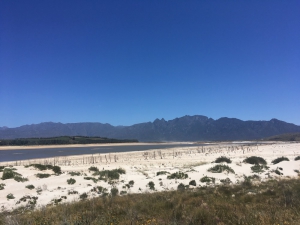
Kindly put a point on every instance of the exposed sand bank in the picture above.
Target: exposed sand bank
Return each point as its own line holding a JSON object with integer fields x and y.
{"x": 142, "y": 167}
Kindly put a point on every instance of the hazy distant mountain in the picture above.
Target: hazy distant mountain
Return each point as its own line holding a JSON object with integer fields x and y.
{"x": 187, "y": 128}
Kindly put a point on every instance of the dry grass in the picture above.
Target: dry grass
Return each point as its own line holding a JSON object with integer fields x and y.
{"x": 272, "y": 202}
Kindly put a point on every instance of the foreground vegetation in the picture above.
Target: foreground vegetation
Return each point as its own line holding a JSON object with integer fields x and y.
{"x": 271, "y": 202}
{"x": 63, "y": 140}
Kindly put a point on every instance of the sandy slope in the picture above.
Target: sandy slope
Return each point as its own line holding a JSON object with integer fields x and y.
{"x": 141, "y": 167}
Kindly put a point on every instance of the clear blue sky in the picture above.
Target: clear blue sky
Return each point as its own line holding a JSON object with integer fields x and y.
{"x": 126, "y": 62}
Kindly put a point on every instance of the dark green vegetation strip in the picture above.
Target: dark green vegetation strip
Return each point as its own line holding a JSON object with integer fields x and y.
{"x": 63, "y": 140}
{"x": 272, "y": 202}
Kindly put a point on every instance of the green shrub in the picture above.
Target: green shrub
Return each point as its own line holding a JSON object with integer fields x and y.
{"x": 10, "y": 196}
{"x": 43, "y": 175}
{"x": 178, "y": 175}
{"x": 207, "y": 179}
{"x": 131, "y": 183}
{"x": 71, "y": 181}
{"x": 259, "y": 168}
{"x": 278, "y": 172}
{"x": 72, "y": 192}
{"x": 74, "y": 173}
{"x": 110, "y": 174}
{"x": 94, "y": 169}
{"x": 297, "y": 158}
{"x": 181, "y": 187}
{"x": 220, "y": 168}
{"x": 20, "y": 179}
{"x": 56, "y": 170}
{"x": 161, "y": 173}
{"x": 151, "y": 185}
{"x": 8, "y": 174}
{"x": 39, "y": 166}
{"x": 2, "y": 186}
{"x": 30, "y": 186}
{"x": 123, "y": 192}
{"x": 280, "y": 159}
{"x": 255, "y": 160}
{"x": 114, "y": 191}
{"x": 2, "y": 168}
{"x": 192, "y": 183}
{"x": 225, "y": 181}
{"x": 100, "y": 188}
{"x": 83, "y": 196}
{"x": 222, "y": 159}
{"x": 247, "y": 181}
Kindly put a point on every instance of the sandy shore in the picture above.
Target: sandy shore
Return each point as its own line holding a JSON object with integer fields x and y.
{"x": 141, "y": 168}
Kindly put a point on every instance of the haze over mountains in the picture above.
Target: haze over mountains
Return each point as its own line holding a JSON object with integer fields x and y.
{"x": 187, "y": 128}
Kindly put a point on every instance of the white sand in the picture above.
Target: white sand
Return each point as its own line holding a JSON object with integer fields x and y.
{"x": 141, "y": 167}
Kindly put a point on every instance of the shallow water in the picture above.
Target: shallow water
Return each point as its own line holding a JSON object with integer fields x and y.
{"x": 24, "y": 154}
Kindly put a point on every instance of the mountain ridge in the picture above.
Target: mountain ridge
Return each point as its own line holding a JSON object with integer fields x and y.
{"x": 186, "y": 128}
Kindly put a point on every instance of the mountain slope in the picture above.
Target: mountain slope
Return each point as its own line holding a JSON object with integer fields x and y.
{"x": 187, "y": 128}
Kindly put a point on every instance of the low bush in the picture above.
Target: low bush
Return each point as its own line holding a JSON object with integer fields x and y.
{"x": 56, "y": 170}
{"x": 10, "y": 196}
{"x": 8, "y": 173}
{"x": 259, "y": 168}
{"x": 30, "y": 186}
{"x": 161, "y": 173}
{"x": 151, "y": 185}
{"x": 71, "y": 181}
{"x": 114, "y": 191}
{"x": 181, "y": 187}
{"x": 178, "y": 175}
{"x": 72, "y": 192}
{"x": 2, "y": 186}
{"x": 192, "y": 183}
{"x": 43, "y": 175}
{"x": 31, "y": 201}
{"x": 297, "y": 158}
{"x": 255, "y": 160}
{"x": 110, "y": 174}
{"x": 74, "y": 173}
{"x": 223, "y": 159}
{"x": 207, "y": 179}
{"x": 83, "y": 196}
{"x": 225, "y": 181}
{"x": 280, "y": 159}
{"x": 278, "y": 172}
{"x": 131, "y": 183}
{"x": 94, "y": 169}
{"x": 220, "y": 168}
{"x": 20, "y": 179}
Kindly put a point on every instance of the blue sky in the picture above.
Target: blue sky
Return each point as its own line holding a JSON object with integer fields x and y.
{"x": 126, "y": 62}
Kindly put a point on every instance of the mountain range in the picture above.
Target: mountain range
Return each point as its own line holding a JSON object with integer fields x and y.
{"x": 186, "y": 128}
